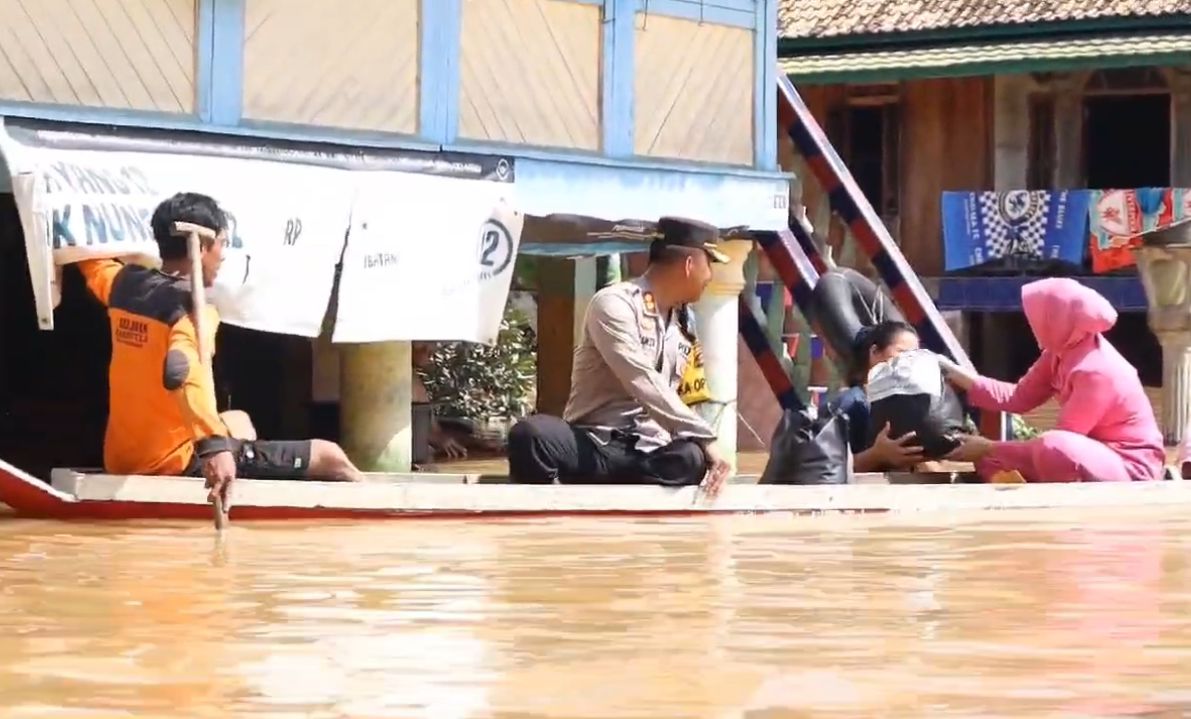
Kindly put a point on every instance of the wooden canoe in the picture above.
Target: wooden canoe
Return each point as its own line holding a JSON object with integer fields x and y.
{"x": 78, "y": 495}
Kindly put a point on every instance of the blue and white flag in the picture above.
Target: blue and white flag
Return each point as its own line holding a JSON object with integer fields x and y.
{"x": 980, "y": 227}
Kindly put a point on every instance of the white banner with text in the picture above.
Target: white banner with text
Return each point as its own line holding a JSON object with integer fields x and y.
{"x": 287, "y": 224}
{"x": 428, "y": 258}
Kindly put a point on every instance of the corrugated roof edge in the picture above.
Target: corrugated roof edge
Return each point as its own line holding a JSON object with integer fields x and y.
{"x": 968, "y": 60}
{"x": 788, "y": 46}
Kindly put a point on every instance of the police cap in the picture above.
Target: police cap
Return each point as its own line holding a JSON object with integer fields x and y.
{"x": 688, "y": 234}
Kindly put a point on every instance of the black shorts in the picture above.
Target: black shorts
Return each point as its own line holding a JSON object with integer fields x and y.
{"x": 261, "y": 459}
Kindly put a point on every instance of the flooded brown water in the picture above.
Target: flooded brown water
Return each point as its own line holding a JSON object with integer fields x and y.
{"x": 995, "y": 616}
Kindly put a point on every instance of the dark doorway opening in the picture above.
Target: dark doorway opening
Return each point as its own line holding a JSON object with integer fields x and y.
{"x": 1127, "y": 141}
{"x": 1131, "y": 336}
{"x": 870, "y": 148}
{"x": 1127, "y": 144}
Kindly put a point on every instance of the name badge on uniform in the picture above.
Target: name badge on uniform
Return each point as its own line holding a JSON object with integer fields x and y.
{"x": 692, "y": 388}
{"x": 648, "y": 326}
{"x": 650, "y": 304}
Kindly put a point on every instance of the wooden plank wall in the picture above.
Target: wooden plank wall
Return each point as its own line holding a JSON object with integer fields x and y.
{"x": 694, "y": 84}
{"x": 127, "y": 54}
{"x": 321, "y": 62}
{"x": 530, "y": 73}
{"x": 946, "y": 144}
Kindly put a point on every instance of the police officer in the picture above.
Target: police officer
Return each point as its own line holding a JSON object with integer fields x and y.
{"x": 625, "y": 421}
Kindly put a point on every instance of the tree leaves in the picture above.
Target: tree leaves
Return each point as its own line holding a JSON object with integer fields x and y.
{"x": 476, "y": 382}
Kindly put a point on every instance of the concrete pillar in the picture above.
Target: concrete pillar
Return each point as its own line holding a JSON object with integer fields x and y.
{"x": 718, "y": 322}
{"x": 1176, "y": 385}
{"x": 1166, "y": 275}
{"x": 375, "y": 392}
{"x": 565, "y": 288}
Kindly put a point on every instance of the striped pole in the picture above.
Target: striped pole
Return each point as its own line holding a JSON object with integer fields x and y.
{"x": 871, "y": 235}
{"x": 788, "y": 253}
{"x": 798, "y": 262}
{"x": 752, "y": 329}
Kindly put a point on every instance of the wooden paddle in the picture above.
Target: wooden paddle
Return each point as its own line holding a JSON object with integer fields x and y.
{"x": 195, "y": 234}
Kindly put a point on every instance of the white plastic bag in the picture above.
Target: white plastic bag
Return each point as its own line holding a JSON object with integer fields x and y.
{"x": 908, "y": 393}
{"x": 909, "y": 373}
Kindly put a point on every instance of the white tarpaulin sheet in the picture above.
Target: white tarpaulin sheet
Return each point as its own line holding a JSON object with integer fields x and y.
{"x": 414, "y": 255}
{"x": 454, "y": 254}
{"x": 279, "y": 267}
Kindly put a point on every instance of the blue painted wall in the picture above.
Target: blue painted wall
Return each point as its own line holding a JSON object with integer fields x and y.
{"x": 219, "y": 75}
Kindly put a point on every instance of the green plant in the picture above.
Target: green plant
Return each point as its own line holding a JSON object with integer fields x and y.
{"x": 1021, "y": 429}
{"x": 525, "y": 273}
{"x": 476, "y": 382}
{"x": 1018, "y": 427}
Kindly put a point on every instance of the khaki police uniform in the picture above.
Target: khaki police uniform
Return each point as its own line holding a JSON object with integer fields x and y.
{"x": 625, "y": 421}
{"x": 629, "y": 367}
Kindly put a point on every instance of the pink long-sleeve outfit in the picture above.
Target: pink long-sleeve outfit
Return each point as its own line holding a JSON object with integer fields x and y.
{"x": 1106, "y": 429}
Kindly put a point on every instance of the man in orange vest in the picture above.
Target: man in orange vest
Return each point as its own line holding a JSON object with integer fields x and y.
{"x": 163, "y": 418}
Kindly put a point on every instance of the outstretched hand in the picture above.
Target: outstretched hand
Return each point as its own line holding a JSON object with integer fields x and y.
{"x": 899, "y": 453}
{"x": 219, "y": 469}
{"x": 451, "y": 447}
{"x": 971, "y": 448}
{"x": 718, "y": 469}
{"x": 959, "y": 377}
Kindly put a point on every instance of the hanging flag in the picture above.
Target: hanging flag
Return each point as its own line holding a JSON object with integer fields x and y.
{"x": 1119, "y": 217}
{"x": 1019, "y": 225}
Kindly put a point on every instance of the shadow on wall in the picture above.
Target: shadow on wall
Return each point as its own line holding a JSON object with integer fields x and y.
{"x": 53, "y": 385}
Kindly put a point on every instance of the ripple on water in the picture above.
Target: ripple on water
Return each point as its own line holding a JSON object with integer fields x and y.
{"x": 1012, "y": 614}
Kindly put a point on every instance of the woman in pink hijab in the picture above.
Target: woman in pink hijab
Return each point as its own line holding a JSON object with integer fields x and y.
{"x": 1106, "y": 429}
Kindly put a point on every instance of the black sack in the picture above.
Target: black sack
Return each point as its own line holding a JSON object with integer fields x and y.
{"x": 809, "y": 450}
{"x": 843, "y": 303}
{"x": 910, "y": 394}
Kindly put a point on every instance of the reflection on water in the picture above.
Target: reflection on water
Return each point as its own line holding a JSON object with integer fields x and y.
{"x": 1039, "y": 614}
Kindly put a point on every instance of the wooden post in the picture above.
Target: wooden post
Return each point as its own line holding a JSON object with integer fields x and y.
{"x": 565, "y": 288}
{"x": 1180, "y": 96}
{"x": 195, "y": 235}
{"x": 1068, "y": 132}
{"x": 1011, "y": 130}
